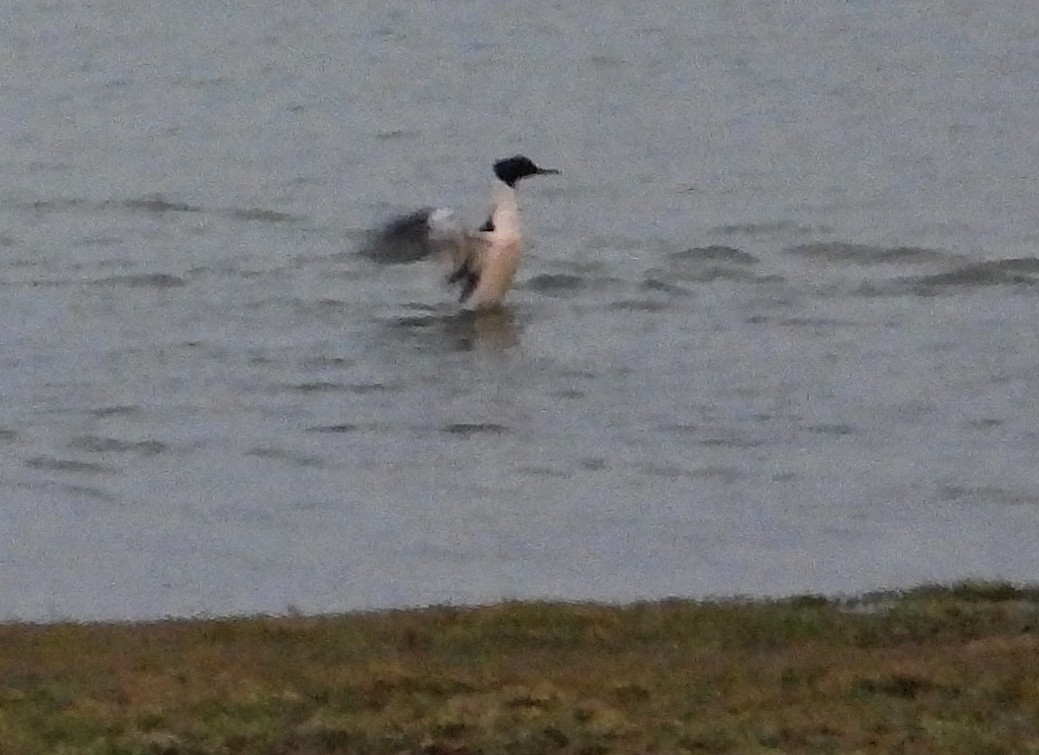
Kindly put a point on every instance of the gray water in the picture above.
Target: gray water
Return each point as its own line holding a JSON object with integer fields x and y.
{"x": 776, "y": 331}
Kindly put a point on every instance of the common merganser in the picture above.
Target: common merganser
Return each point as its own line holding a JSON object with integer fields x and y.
{"x": 484, "y": 262}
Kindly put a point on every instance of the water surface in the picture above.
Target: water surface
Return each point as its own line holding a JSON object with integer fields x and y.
{"x": 776, "y": 331}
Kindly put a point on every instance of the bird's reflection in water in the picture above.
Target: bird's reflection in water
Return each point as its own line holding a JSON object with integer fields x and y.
{"x": 464, "y": 330}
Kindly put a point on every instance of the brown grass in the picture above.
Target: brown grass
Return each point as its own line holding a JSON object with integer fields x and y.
{"x": 935, "y": 671}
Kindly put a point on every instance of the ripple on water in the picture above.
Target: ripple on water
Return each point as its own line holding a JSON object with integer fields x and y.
{"x": 59, "y": 204}
{"x": 154, "y": 203}
{"x": 273, "y": 453}
{"x": 835, "y": 429}
{"x": 866, "y": 254}
{"x": 1023, "y": 270}
{"x": 117, "y": 410}
{"x": 397, "y": 133}
{"x": 735, "y": 274}
{"x": 729, "y": 439}
{"x": 714, "y": 253}
{"x": 328, "y": 386}
{"x": 665, "y": 470}
{"x": 813, "y": 323}
{"x": 340, "y": 428}
{"x": 143, "y": 280}
{"x": 262, "y": 215}
{"x": 90, "y": 491}
{"x": 1016, "y": 272}
{"x": 707, "y": 264}
{"x": 75, "y": 466}
{"x": 159, "y": 204}
{"x": 459, "y": 330}
{"x": 771, "y": 228}
{"x": 554, "y": 283}
{"x": 322, "y": 361}
{"x": 712, "y": 437}
{"x": 986, "y": 423}
{"x": 723, "y": 474}
{"x": 654, "y": 283}
{"x": 637, "y": 305}
{"x": 99, "y": 444}
{"x": 469, "y": 429}
{"x": 544, "y": 472}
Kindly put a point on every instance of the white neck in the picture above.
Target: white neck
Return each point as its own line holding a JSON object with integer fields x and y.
{"x": 505, "y": 213}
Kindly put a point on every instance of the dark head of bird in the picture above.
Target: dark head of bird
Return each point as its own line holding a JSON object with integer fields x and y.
{"x": 512, "y": 169}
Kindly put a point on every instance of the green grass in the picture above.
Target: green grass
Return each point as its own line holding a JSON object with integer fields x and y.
{"x": 936, "y": 670}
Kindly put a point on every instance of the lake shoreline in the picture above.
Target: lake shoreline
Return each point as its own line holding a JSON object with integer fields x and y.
{"x": 933, "y": 669}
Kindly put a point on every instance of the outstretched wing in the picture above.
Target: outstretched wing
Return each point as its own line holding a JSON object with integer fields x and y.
{"x": 431, "y": 233}
{"x": 411, "y": 237}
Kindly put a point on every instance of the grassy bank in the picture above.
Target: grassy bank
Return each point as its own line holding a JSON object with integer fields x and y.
{"x": 938, "y": 670}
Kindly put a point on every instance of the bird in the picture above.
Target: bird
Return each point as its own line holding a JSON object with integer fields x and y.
{"x": 483, "y": 262}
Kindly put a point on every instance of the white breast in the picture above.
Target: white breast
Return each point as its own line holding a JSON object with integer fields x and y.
{"x": 500, "y": 258}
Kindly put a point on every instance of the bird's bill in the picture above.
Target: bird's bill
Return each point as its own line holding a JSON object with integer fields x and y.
{"x": 548, "y": 172}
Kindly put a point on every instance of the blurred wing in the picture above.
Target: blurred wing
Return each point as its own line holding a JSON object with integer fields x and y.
{"x": 447, "y": 235}
{"x": 411, "y": 237}
{"x": 427, "y": 233}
